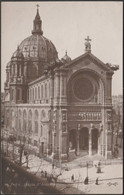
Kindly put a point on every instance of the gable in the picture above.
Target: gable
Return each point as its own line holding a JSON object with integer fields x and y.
{"x": 87, "y": 60}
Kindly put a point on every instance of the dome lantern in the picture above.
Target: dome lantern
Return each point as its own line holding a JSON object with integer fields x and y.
{"x": 37, "y": 23}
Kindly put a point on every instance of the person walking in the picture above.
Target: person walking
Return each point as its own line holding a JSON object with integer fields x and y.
{"x": 72, "y": 178}
{"x": 97, "y": 181}
{"x": 53, "y": 165}
{"x": 45, "y": 174}
{"x": 86, "y": 181}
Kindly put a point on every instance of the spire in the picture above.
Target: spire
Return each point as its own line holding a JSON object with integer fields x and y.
{"x": 87, "y": 44}
{"x": 37, "y": 27}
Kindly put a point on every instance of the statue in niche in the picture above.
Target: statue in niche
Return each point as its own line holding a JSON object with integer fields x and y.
{"x": 63, "y": 127}
{"x": 109, "y": 117}
{"x": 63, "y": 116}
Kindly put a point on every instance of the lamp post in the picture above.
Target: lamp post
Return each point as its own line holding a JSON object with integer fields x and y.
{"x": 79, "y": 127}
{"x": 90, "y": 139}
{"x": 100, "y": 130}
{"x": 87, "y": 168}
{"x": 86, "y": 179}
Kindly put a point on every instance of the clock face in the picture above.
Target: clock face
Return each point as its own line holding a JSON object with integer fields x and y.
{"x": 83, "y": 88}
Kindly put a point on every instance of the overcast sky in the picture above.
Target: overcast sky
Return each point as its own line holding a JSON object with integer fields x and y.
{"x": 67, "y": 24}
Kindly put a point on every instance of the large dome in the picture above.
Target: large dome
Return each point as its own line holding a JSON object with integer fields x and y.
{"x": 36, "y": 45}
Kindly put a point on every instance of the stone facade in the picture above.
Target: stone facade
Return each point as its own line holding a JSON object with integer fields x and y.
{"x": 58, "y": 105}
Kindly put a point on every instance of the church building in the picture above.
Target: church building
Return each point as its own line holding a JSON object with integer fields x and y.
{"x": 59, "y": 105}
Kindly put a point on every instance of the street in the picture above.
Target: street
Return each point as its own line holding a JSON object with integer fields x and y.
{"x": 109, "y": 180}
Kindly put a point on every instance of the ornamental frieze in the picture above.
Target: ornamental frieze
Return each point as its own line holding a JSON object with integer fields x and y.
{"x": 85, "y": 116}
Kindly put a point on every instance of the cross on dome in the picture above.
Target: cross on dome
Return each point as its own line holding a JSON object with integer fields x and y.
{"x": 37, "y": 6}
{"x": 88, "y": 39}
{"x": 87, "y": 44}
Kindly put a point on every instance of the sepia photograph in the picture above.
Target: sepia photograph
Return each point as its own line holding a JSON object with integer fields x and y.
{"x": 61, "y": 97}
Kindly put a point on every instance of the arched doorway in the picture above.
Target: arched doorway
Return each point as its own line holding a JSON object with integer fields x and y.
{"x": 84, "y": 139}
{"x": 72, "y": 139}
{"x": 95, "y": 140}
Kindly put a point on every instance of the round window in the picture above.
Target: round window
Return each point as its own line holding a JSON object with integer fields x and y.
{"x": 83, "y": 88}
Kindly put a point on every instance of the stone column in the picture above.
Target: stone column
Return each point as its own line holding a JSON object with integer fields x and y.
{"x": 53, "y": 143}
{"x": 56, "y": 88}
{"x": 51, "y": 92}
{"x": 100, "y": 130}
{"x": 78, "y": 132}
{"x": 90, "y": 140}
{"x": 63, "y": 85}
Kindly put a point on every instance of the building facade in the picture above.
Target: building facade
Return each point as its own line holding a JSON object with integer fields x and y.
{"x": 58, "y": 105}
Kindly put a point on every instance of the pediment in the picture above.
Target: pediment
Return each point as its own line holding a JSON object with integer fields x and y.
{"x": 86, "y": 60}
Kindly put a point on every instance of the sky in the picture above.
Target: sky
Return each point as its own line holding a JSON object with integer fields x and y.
{"x": 67, "y": 24}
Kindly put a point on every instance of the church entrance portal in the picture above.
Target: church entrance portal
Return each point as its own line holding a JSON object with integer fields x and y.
{"x": 82, "y": 144}
{"x": 84, "y": 139}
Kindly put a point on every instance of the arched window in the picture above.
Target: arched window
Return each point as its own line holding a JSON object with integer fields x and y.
{"x": 18, "y": 94}
{"x": 36, "y": 122}
{"x": 19, "y": 69}
{"x": 13, "y": 69}
{"x": 41, "y": 91}
{"x": 19, "y": 120}
{"x": 45, "y": 90}
{"x": 41, "y": 131}
{"x": 12, "y": 94}
{"x": 35, "y": 93}
{"x": 38, "y": 92}
{"x": 7, "y": 118}
{"x": 24, "y": 120}
{"x": 30, "y": 121}
{"x": 13, "y": 119}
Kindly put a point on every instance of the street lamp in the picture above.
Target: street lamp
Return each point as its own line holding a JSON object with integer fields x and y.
{"x": 87, "y": 168}
{"x": 86, "y": 179}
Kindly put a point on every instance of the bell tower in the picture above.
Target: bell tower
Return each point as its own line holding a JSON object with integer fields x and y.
{"x": 16, "y": 82}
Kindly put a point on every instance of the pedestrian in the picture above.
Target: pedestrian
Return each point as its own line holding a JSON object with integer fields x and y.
{"x": 99, "y": 164}
{"x": 72, "y": 178}
{"x": 97, "y": 181}
{"x": 45, "y": 174}
{"x": 53, "y": 165}
{"x": 86, "y": 180}
{"x": 41, "y": 173}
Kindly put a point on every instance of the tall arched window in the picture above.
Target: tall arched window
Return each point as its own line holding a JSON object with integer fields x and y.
{"x": 41, "y": 131}
{"x": 41, "y": 91}
{"x": 7, "y": 118}
{"x": 12, "y": 94}
{"x": 38, "y": 92}
{"x": 19, "y": 120}
{"x": 35, "y": 93}
{"x": 36, "y": 122}
{"x": 19, "y": 69}
{"x": 18, "y": 94}
{"x": 13, "y": 119}
{"x": 45, "y": 90}
{"x": 30, "y": 121}
{"x": 24, "y": 121}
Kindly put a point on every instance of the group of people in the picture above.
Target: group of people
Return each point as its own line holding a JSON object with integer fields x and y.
{"x": 86, "y": 181}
